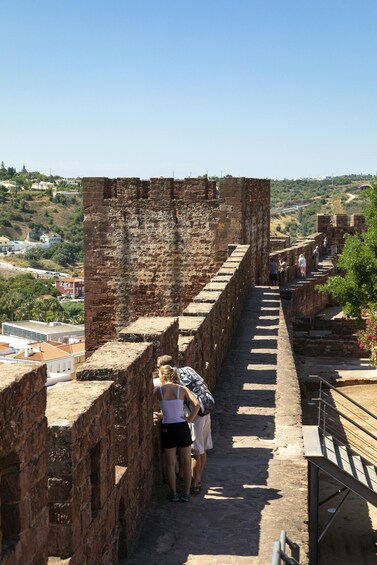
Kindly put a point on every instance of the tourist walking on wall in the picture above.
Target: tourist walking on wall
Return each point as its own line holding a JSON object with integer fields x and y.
{"x": 175, "y": 429}
{"x": 302, "y": 265}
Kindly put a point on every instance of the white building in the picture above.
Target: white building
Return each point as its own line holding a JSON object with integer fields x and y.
{"x": 42, "y": 331}
{"x": 42, "y": 185}
{"x": 6, "y": 245}
{"x": 9, "y": 185}
{"x": 60, "y": 364}
{"x": 50, "y": 238}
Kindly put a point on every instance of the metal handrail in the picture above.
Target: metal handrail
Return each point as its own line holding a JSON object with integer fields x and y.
{"x": 279, "y": 555}
{"x": 326, "y": 394}
{"x": 343, "y": 438}
{"x": 322, "y": 380}
{"x": 348, "y": 419}
{"x": 330, "y": 420}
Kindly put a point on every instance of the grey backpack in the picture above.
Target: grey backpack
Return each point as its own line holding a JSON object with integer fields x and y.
{"x": 195, "y": 383}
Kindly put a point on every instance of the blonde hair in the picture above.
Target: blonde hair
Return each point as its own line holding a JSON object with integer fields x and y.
{"x": 164, "y": 360}
{"x": 170, "y": 374}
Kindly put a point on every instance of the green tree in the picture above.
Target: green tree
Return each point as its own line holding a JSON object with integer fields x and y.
{"x": 356, "y": 289}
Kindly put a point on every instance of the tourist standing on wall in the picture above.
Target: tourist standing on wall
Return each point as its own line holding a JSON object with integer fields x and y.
{"x": 316, "y": 257}
{"x": 302, "y": 265}
{"x": 175, "y": 428}
{"x": 201, "y": 425}
{"x": 325, "y": 246}
{"x": 283, "y": 271}
{"x": 273, "y": 272}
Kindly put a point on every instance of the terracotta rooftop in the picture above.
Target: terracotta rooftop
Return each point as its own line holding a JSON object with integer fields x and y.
{"x": 47, "y": 352}
{"x": 72, "y": 347}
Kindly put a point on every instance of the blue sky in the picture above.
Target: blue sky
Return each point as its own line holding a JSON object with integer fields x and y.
{"x": 257, "y": 88}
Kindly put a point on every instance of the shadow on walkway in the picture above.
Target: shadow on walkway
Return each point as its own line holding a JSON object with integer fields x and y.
{"x": 222, "y": 524}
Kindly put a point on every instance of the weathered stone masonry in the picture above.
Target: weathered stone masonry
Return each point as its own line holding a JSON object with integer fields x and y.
{"x": 150, "y": 246}
{"x": 337, "y": 226}
{"x": 86, "y": 505}
{"x": 23, "y": 465}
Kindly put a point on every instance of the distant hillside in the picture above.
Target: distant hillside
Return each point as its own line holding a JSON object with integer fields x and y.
{"x": 294, "y": 208}
{"x": 296, "y": 203}
{"x": 57, "y": 208}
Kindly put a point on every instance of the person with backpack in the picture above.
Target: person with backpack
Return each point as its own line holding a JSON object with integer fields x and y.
{"x": 201, "y": 425}
{"x": 175, "y": 427}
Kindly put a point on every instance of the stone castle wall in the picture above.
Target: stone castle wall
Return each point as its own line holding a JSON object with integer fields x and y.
{"x": 337, "y": 226}
{"x": 317, "y": 337}
{"x": 75, "y": 491}
{"x": 291, "y": 254}
{"x": 151, "y": 246}
{"x": 23, "y": 465}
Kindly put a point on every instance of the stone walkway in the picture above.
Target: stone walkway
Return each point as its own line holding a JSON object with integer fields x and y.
{"x": 247, "y": 492}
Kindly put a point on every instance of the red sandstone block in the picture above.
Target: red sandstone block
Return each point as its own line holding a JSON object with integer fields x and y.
{"x": 36, "y": 408}
{"x": 38, "y": 497}
{"x": 128, "y": 189}
{"x": 60, "y": 541}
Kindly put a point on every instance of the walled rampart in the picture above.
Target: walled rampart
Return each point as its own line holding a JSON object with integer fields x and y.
{"x": 81, "y": 472}
{"x": 337, "y": 226}
{"x": 315, "y": 337}
{"x": 278, "y": 243}
{"x": 84, "y": 505}
{"x": 291, "y": 254}
{"x": 151, "y": 246}
{"x": 23, "y": 465}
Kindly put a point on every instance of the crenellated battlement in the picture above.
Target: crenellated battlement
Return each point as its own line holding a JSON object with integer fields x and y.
{"x": 326, "y": 221}
{"x": 335, "y": 227}
{"x": 151, "y": 245}
{"x": 98, "y": 190}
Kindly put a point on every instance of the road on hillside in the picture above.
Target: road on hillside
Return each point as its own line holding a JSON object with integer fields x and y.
{"x": 51, "y": 274}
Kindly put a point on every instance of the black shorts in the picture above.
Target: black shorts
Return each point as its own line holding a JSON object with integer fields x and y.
{"x": 175, "y": 435}
{"x": 273, "y": 277}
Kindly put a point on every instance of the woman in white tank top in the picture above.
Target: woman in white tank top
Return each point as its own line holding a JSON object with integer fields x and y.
{"x": 174, "y": 428}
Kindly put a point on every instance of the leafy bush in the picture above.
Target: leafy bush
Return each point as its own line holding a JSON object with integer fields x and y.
{"x": 368, "y": 337}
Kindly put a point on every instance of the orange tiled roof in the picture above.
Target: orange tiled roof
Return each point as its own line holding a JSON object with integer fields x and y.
{"x": 70, "y": 279}
{"x": 72, "y": 347}
{"x": 48, "y": 352}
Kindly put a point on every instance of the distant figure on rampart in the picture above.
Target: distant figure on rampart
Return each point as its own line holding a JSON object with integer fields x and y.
{"x": 283, "y": 271}
{"x": 273, "y": 272}
{"x": 175, "y": 429}
{"x": 325, "y": 246}
{"x": 302, "y": 265}
{"x": 201, "y": 425}
{"x": 316, "y": 257}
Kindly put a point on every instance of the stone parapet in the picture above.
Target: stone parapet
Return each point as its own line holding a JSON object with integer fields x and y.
{"x": 291, "y": 254}
{"x": 316, "y": 337}
{"x": 81, "y": 471}
{"x": 205, "y": 339}
{"x": 137, "y": 450}
{"x": 23, "y": 465}
{"x": 337, "y": 226}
